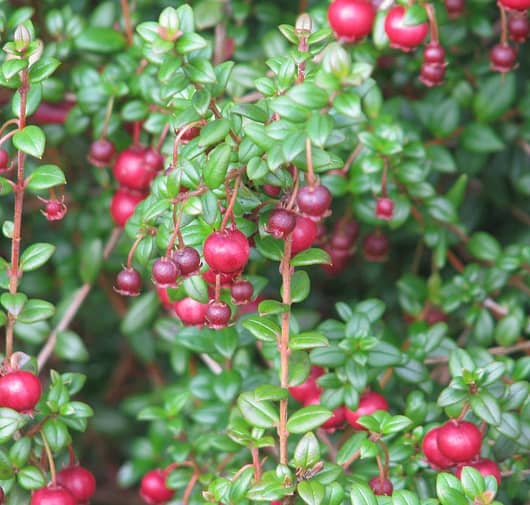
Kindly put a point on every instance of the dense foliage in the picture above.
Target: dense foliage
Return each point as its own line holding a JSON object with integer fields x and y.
{"x": 262, "y": 252}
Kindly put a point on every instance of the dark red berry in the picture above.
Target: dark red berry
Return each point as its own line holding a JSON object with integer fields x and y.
{"x": 52, "y": 495}
{"x": 190, "y": 134}
{"x": 344, "y": 235}
{"x": 190, "y": 311}
{"x": 165, "y": 272}
{"x": 188, "y": 260}
{"x": 402, "y": 36}
{"x": 515, "y": 5}
{"x": 309, "y": 390}
{"x": 4, "y": 159}
{"x": 434, "y": 53}
{"x": 336, "y": 421}
{"x": 20, "y": 390}
{"x": 218, "y": 315}
{"x": 369, "y": 402}
{"x": 484, "y": 466}
{"x": 434, "y": 316}
{"x": 455, "y": 8}
{"x": 459, "y": 441}
{"x": 519, "y": 28}
{"x": 241, "y": 292}
{"x": 430, "y": 448}
{"x": 304, "y": 234}
{"x": 281, "y": 222}
{"x": 153, "y": 488}
{"x": 503, "y": 58}
{"x": 271, "y": 190}
{"x": 226, "y": 251}
{"x": 51, "y": 113}
{"x": 351, "y": 19}
{"x": 314, "y": 201}
{"x": 153, "y": 159}
{"x": 381, "y": 486}
{"x": 128, "y": 282}
{"x": 101, "y": 152}
{"x": 432, "y": 74}
{"x": 123, "y": 204}
{"x": 55, "y": 210}
{"x": 79, "y": 481}
{"x": 131, "y": 171}
{"x": 375, "y": 247}
{"x": 339, "y": 259}
{"x": 384, "y": 208}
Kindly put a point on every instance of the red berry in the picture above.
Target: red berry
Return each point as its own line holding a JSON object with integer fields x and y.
{"x": 432, "y": 452}
{"x": 226, "y": 251}
{"x": 153, "y": 489}
{"x": 459, "y": 441}
{"x": 314, "y": 201}
{"x": 375, "y": 247}
{"x": 218, "y": 315}
{"x": 432, "y": 74}
{"x": 519, "y": 28}
{"x": 128, "y": 282}
{"x": 54, "y": 210}
{"x": 403, "y": 36}
{"x": 190, "y": 134}
{"x": 20, "y": 390}
{"x": 434, "y": 316}
{"x": 51, "y": 113}
{"x": 153, "y": 159}
{"x": 434, "y": 53}
{"x": 381, "y": 486}
{"x": 101, "y": 152}
{"x": 131, "y": 171}
{"x": 52, "y": 495}
{"x": 455, "y": 8}
{"x": 281, "y": 222}
{"x": 344, "y": 235}
{"x": 271, "y": 190}
{"x": 503, "y": 58}
{"x": 123, "y": 204}
{"x": 165, "y": 272}
{"x": 241, "y": 292}
{"x": 369, "y": 403}
{"x": 484, "y": 466}
{"x": 188, "y": 260}
{"x": 339, "y": 259}
{"x": 190, "y": 311}
{"x": 516, "y": 5}
{"x": 309, "y": 390}
{"x": 351, "y": 19}
{"x": 79, "y": 481}
{"x": 4, "y": 159}
{"x": 336, "y": 421}
{"x": 384, "y": 208}
{"x": 304, "y": 234}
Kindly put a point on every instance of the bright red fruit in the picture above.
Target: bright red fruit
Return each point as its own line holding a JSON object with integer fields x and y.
{"x": 79, "y": 481}
{"x": 153, "y": 489}
{"x": 384, "y": 208}
{"x": 226, "y": 251}
{"x": 381, "y": 487}
{"x": 369, "y": 403}
{"x": 309, "y": 390}
{"x": 314, "y": 201}
{"x": 375, "y": 247}
{"x": 153, "y": 159}
{"x": 101, "y": 152}
{"x": 503, "y": 58}
{"x": 281, "y": 222}
{"x": 54, "y": 210}
{"x": 484, "y": 466}
{"x": 516, "y": 5}
{"x": 403, "y": 36}
{"x": 165, "y": 272}
{"x": 351, "y": 19}
{"x": 188, "y": 260}
{"x": 131, "y": 171}
{"x": 432, "y": 452}
{"x": 459, "y": 441}
{"x": 304, "y": 234}
{"x": 190, "y": 311}
{"x": 336, "y": 421}
{"x": 52, "y": 495}
{"x": 123, "y": 204}
{"x": 4, "y": 159}
{"x": 20, "y": 390}
{"x": 51, "y": 113}
{"x": 190, "y": 134}
{"x": 128, "y": 282}
{"x": 519, "y": 28}
{"x": 218, "y": 315}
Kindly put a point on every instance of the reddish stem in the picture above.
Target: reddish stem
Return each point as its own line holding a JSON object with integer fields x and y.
{"x": 256, "y": 463}
{"x": 431, "y": 13}
{"x": 230, "y": 209}
{"x": 137, "y": 128}
{"x": 126, "y": 13}
{"x": 504, "y": 26}
{"x": 133, "y": 249}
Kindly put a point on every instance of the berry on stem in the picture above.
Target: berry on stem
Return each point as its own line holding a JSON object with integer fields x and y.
{"x": 314, "y": 201}
{"x": 20, "y": 390}
{"x": 52, "y": 494}
{"x": 369, "y": 402}
{"x": 309, "y": 390}
{"x": 432, "y": 74}
{"x": 515, "y": 5}
{"x": 101, "y": 152}
{"x": 271, "y": 190}
{"x": 304, "y": 234}
{"x": 503, "y": 58}
{"x": 226, "y": 251}
{"x": 153, "y": 159}
{"x": 381, "y": 486}
{"x": 190, "y": 311}
{"x": 123, "y": 204}
{"x": 384, "y": 208}
{"x": 351, "y": 20}
{"x": 128, "y": 282}
{"x": 188, "y": 260}
{"x": 402, "y": 36}
{"x": 459, "y": 440}
{"x": 484, "y": 466}
{"x": 455, "y": 8}
{"x": 165, "y": 272}
{"x": 432, "y": 452}
{"x": 281, "y": 222}
{"x": 79, "y": 481}
{"x": 54, "y": 209}
{"x": 344, "y": 235}
{"x": 434, "y": 53}
{"x": 218, "y": 315}
{"x": 519, "y": 28}
{"x": 376, "y": 246}
{"x": 241, "y": 292}
{"x": 153, "y": 488}
{"x": 131, "y": 171}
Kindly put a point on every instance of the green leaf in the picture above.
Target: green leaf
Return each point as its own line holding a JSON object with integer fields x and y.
{"x": 31, "y": 478}
{"x": 300, "y": 286}
{"x": 98, "y": 39}
{"x": 188, "y": 42}
{"x": 36, "y": 310}
{"x": 70, "y": 346}
{"x": 484, "y": 247}
{"x": 308, "y": 340}
{"x": 91, "y": 260}
{"x": 259, "y": 413}
{"x": 262, "y": 328}
{"x": 311, "y": 491}
{"x": 30, "y": 140}
{"x": 56, "y": 434}
{"x": 311, "y": 256}
{"x": 19, "y": 452}
{"x": 42, "y": 69}
{"x": 36, "y": 255}
{"x": 308, "y": 95}
{"x": 308, "y": 418}
{"x": 142, "y": 311}
{"x": 472, "y": 482}
{"x": 395, "y": 424}
{"x": 10, "y": 421}
{"x": 270, "y": 307}
{"x": 480, "y": 138}
{"x": 414, "y": 15}
{"x": 214, "y": 172}
{"x": 270, "y": 392}
{"x": 13, "y": 303}
{"x": 485, "y": 406}
{"x": 495, "y": 95}
{"x": 197, "y": 288}
{"x": 404, "y": 497}
{"x": 214, "y": 132}
{"x": 449, "y": 490}
{"x": 361, "y": 494}
{"x": 307, "y": 451}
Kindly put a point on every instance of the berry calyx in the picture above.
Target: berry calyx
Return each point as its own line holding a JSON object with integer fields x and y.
{"x": 218, "y": 315}
{"x": 351, "y": 20}
{"x": 303, "y": 235}
{"x": 79, "y": 481}
{"x": 432, "y": 74}
{"x": 455, "y": 8}
{"x": 381, "y": 486}
{"x": 309, "y": 390}
{"x": 241, "y": 292}
{"x": 20, "y": 390}
{"x": 4, "y": 160}
{"x": 190, "y": 311}
{"x": 153, "y": 489}
{"x": 131, "y": 171}
{"x": 376, "y": 246}
{"x": 503, "y": 58}
{"x": 369, "y": 402}
{"x": 153, "y": 159}
{"x": 52, "y": 495}
{"x": 281, "y": 222}
{"x": 384, "y": 208}
{"x": 54, "y": 210}
{"x": 484, "y": 466}
{"x": 165, "y": 272}
{"x": 101, "y": 152}
{"x": 123, "y": 204}
{"x": 314, "y": 201}
{"x": 226, "y": 251}
{"x": 402, "y": 36}
{"x": 459, "y": 441}
{"x": 515, "y": 5}
{"x": 128, "y": 282}
{"x": 432, "y": 452}
{"x": 434, "y": 53}
{"x": 188, "y": 260}
{"x": 519, "y": 28}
